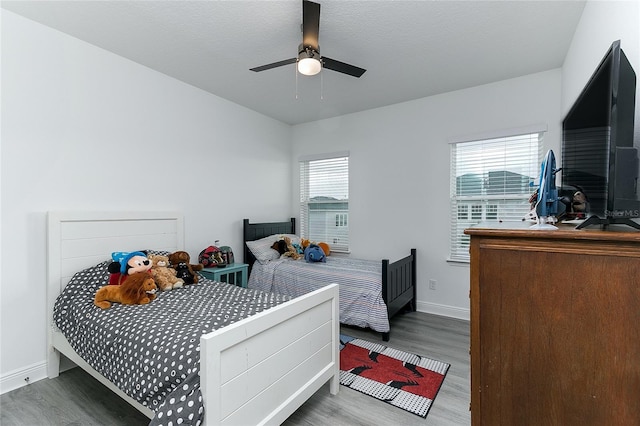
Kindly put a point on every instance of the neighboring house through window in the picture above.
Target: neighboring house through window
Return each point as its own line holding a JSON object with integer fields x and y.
{"x": 324, "y": 199}
{"x": 491, "y": 180}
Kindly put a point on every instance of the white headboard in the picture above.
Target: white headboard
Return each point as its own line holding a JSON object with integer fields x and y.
{"x": 78, "y": 240}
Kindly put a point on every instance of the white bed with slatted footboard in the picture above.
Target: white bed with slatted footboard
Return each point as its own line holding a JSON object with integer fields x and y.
{"x": 257, "y": 370}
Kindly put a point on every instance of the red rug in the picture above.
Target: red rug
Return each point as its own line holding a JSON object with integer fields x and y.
{"x": 406, "y": 380}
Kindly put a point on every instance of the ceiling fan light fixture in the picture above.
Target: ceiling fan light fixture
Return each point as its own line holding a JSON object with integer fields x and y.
{"x": 309, "y": 61}
{"x": 309, "y": 66}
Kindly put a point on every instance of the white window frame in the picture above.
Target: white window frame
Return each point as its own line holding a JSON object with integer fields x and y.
{"x": 486, "y": 154}
{"x": 336, "y": 229}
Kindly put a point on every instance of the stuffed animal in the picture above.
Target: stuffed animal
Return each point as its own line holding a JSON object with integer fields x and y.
{"x": 165, "y": 277}
{"x": 125, "y": 264}
{"x": 280, "y": 246}
{"x": 138, "y": 289}
{"x": 325, "y": 247}
{"x": 286, "y": 248}
{"x": 304, "y": 243}
{"x": 179, "y": 261}
{"x": 314, "y": 253}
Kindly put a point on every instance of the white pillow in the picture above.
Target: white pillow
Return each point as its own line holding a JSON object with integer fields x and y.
{"x": 262, "y": 251}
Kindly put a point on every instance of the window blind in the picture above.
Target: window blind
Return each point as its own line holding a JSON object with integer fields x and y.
{"x": 324, "y": 201}
{"x": 491, "y": 180}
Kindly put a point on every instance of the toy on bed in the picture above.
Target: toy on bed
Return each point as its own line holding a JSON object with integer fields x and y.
{"x": 286, "y": 248}
{"x": 127, "y": 263}
{"x": 314, "y": 253}
{"x": 166, "y": 277}
{"x": 324, "y": 246}
{"x": 138, "y": 289}
{"x": 180, "y": 261}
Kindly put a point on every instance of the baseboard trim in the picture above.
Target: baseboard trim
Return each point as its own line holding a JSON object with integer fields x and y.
{"x": 444, "y": 310}
{"x": 23, "y": 376}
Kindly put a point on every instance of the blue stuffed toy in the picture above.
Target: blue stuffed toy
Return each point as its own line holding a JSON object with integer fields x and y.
{"x": 314, "y": 253}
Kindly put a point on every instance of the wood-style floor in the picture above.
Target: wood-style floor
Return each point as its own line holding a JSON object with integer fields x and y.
{"x": 75, "y": 398}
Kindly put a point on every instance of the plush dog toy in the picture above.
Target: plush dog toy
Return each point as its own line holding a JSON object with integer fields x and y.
{"x": 180, "y": 261}
{"x": 138, "y": 289}
{"x": 125, "y": 264}
{"x": 165, "y": 277}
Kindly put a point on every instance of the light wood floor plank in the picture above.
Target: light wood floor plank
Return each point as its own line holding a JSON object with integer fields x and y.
{"x": 75, "y": 398}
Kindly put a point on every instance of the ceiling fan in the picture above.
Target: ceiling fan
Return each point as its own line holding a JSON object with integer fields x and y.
{"x": 309, "y": 60}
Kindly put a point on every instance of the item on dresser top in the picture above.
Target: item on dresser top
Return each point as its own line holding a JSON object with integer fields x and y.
{"x": 127, "y": 263}
{"x": 138, "y": 289}
{"x": 180, "y": 261}
{"x": 166, "y": 277}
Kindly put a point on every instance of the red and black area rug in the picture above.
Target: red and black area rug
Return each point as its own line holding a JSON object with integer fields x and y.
{"x": 406, "y": 380}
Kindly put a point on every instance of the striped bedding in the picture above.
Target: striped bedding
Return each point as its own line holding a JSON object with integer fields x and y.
{"x": 360, "y": 281}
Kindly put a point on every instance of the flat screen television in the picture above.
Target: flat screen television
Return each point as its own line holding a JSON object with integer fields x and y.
{"x": 600, "y": 165}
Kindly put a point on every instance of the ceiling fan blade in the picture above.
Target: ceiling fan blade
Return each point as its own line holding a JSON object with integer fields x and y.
{"x": 338, "y": 66}
{"x": 274, "y": 65}
{"x": 310, "y": 24}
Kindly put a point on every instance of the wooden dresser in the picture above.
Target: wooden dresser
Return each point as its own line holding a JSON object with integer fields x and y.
{"x": 555, "y": 326}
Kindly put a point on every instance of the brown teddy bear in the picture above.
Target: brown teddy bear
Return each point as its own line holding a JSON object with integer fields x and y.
{"x": 166, "y": 278}
{"x": 180, "y": 261}
{"x": 138, "y": 289}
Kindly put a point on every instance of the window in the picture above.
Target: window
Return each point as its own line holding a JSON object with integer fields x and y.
{"x": 341, "y": 219}
{"x": 491, "y": 179}
{"x": 324, "y": 200}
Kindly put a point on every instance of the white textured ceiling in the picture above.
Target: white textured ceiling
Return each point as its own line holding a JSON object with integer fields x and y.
{"x": 410, "y": 49}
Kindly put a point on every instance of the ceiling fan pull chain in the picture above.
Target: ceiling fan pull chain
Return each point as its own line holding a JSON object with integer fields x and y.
{"x": 296, "y": 71}
{"x": 321, "y": 86}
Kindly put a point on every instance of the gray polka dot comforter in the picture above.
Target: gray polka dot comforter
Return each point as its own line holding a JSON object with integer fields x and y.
{"x": 152, "y": 352}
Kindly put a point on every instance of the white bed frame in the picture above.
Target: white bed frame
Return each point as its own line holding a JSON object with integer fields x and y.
{"x": 256, "y": 371}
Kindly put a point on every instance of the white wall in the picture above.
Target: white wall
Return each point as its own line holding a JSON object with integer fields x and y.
{"x": 399, "y": 171}
{"x": 85, "y": 129}
{"x": 602, "y": 23}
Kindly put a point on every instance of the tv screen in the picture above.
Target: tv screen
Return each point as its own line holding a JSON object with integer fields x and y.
{"x": 600, "y": 165}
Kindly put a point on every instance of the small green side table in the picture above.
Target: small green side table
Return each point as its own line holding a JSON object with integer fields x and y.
{"x": 234, "y": 273}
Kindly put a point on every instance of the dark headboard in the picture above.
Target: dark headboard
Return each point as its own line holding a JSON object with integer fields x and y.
{"x": 255, "y": 231}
